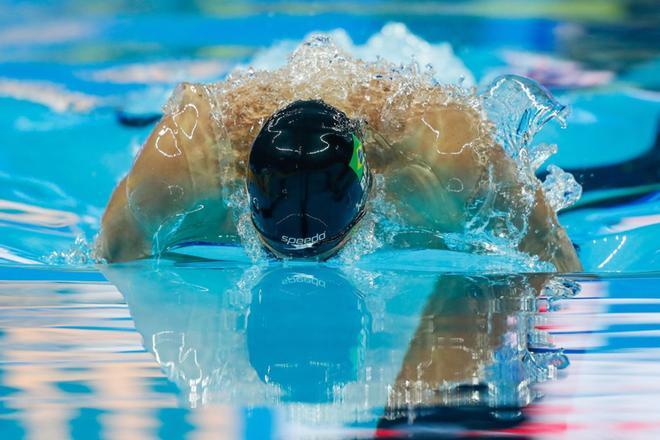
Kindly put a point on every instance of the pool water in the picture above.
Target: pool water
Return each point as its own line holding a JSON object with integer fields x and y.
{"x": 189, "y": 351}
{"x": 204, "y": 342}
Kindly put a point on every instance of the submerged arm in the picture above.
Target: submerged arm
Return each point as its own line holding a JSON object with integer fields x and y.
{"x": 172, "y": 192}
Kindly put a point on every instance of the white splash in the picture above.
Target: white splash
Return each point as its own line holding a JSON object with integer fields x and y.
{"x": 394, "y": 43}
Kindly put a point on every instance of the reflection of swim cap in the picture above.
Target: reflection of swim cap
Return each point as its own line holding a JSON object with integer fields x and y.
{"x": 308, "y": 180}
{"x": 307, "y": 331}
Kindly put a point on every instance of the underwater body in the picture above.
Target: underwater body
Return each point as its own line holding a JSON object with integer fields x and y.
{"x": 472, "y": 338}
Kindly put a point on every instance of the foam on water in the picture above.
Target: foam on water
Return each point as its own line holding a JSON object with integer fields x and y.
{"x": 394, "y": 43}
{"x": 80, "y": 253}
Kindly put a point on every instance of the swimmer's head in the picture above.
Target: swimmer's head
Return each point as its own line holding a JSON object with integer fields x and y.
{"x": 308, "y": 180}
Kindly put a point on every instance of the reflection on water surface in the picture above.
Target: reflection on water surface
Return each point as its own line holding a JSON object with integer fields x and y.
{"x": 315, "y": 349}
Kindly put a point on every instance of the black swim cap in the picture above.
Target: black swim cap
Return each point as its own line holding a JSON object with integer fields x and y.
{"x": 308, "y": 180}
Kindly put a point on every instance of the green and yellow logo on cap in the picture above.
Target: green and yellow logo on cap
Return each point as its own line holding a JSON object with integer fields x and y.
{"x": 357, "y": 160}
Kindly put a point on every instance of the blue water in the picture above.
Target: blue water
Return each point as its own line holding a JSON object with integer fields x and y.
{"x": 402, "y": 343}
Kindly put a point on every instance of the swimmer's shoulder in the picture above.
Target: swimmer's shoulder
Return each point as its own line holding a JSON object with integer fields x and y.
{"x": 188, "y": 95}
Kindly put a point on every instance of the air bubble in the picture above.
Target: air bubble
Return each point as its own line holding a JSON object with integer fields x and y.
{"x": 455, "y": 185}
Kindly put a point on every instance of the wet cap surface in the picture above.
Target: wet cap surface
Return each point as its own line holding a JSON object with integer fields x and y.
{"x": 307, "y": 179}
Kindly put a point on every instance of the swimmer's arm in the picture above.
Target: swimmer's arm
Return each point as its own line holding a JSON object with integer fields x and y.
{"x": 172, "y": 192}
{"x": 456, "y": 156}
{"x": 545, "y": 236}
{"x": 120, "y": 238}
{"x": 460, "y": 330}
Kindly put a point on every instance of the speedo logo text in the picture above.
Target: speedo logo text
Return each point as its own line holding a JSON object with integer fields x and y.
{"x": 293, "y": 241}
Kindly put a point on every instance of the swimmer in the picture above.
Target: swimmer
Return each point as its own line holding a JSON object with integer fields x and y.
{"x": 307, "y": 140}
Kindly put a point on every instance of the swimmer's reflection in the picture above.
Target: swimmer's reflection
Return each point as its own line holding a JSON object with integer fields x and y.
{"x": 474, "y": 357}
{"x": 307, "y": 332}
{"x": 296, "y": 335}
{"x": 465, "y": 354}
